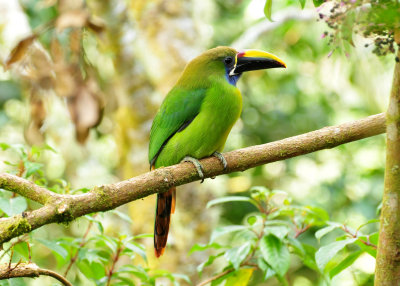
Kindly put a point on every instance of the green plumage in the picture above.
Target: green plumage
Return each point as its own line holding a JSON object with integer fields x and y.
{"x": 196, "y": 117}
{"x": 198, "y": 113}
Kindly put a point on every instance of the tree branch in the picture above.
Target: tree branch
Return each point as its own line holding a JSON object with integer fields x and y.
{"x": 388, "y": 257}
{"x": 26, "y": 188}
{"x": 65, "y": 208}
{"x": 28, "y": 270}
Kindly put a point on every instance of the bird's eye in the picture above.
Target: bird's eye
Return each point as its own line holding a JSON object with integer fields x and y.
{"x": 228, "y": 60}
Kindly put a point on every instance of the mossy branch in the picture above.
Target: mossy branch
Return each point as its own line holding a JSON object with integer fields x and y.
{"x": 65, "y": 208}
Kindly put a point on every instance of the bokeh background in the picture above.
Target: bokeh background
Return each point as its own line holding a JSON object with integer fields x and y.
{"x": 91, "y": 95}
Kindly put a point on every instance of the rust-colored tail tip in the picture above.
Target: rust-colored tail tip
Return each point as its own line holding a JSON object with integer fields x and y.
{"x": 158, "y": 252}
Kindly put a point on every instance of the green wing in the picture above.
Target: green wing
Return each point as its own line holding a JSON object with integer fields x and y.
{"x": 179, "y": 108}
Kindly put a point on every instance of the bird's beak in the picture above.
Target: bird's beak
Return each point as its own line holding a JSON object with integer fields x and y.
{"x": 250, "y": 60}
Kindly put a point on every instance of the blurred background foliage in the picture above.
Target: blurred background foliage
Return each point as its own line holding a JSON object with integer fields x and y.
{"x": 88, "y": 76}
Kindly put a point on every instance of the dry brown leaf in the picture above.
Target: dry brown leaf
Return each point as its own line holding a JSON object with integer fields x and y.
{"x": 19, "y": 51}
{"x": 86, "y": 110}
{"x": 56, "y": 51}
{"x": 74, "y": 19}
{"x": 75, "y": 39}
{"x": 96, "y": 24}
{"x": 33, "y": 134}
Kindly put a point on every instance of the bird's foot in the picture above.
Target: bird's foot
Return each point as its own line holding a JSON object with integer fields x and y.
{"x": 197, "y": 165}
{"x": 221, "y": 158}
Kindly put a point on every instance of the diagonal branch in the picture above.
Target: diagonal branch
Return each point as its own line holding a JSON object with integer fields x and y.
{"x": 65, "y": 208}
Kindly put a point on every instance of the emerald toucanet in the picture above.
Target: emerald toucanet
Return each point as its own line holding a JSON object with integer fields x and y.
{"x": 196, "y": 117}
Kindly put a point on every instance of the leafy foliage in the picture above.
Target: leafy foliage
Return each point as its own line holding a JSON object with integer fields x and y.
{"x": 271, "y": 238}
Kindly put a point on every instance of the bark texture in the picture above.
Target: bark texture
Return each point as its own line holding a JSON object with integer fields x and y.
{"x": 65, "y": 208}
{"x": 387, "y": 270}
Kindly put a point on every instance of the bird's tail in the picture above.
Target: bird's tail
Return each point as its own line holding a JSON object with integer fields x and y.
{"x": 165, "y": 206}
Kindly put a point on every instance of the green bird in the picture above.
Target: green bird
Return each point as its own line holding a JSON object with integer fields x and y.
{"x": 196, "y": 117}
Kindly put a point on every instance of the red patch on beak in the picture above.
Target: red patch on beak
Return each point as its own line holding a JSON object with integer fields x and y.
{"x": 240, "y": 54}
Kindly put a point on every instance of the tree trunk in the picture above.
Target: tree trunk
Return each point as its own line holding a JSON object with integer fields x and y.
{"x": 387, "y": 270}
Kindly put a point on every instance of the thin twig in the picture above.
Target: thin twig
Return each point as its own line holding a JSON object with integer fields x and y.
{"x": 82, "y": 244}
{"x": 116, "y": 257}
{"x": 205, "y": 282}
{"x": 28, "y": 270}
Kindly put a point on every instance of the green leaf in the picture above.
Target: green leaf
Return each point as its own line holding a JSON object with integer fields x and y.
{"x": 91, "y": 270}
{"x": 209, "y": 261}
{"x": 182, "y": 277}
{"x": 368, "y": 222}
{"x": 240, "y": 277}
{"x": 231, "y": 199}
{"x": 318, "y": 3}
{"x": 251, "y": 220}
{"x": 265, "y": 268}
{"x": 13, "y": 206}
{"x": 138, "y": 271}
{"x": 123, "y": 216}
{"x": 279, "y": 231}
{"x": 97, "y": 222}
{"x": 136, "y": 248}
{"x": 302, "y": 3}
{"x": 220, "y": 231}
{"x": 31, "y": 168}
{"x": 268, "y": 9}
{"x": 22, "y": 249}
{"x": 327, "y": 252}
{"x": 143, "y": 235}
{"x": 372, "y": 238}
{"x": 324, "y": 231}
{"x": 349, "y": 260}
{"x": 54, "y": 246}
{"x": 202, "y": 247}
{"x": 275, "y": 253}
{"x": 236, "y": 255}
{"x": 316, "y": 216}
{"x": 4, "y": 146}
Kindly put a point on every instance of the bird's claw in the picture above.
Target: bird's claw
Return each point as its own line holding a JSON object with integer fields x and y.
{"x": 222, "y": 159}
{"x": 197, "y": 165}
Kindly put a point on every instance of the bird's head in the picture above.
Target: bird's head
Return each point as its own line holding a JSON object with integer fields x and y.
{"x": 227, "y": 62}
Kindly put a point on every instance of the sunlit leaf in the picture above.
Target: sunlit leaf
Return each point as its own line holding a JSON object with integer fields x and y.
{"x": 368, "y": 222}
{"x": 220, "y": 231}
{"x": 302, "y": 3}
{"x": 123, "y": 216}
{"x": 209, "y": 261}
{"x": 268, "y": 9}
{"x": 251, "y": 220}
{"x": 348, "y": 261}
{"x": 202, "y": 247}
{"x": 327, "y": 252}
{"x": 231, "y": 199}
{"x": 4, "y": 146}
{"x": 22, "y": 249}
{"x": 324, "y": 231}
{"x": 13, "y": 206}
{"x": 236, "y": 255}
{"x": 32, "y": 168}
{"x": 54, "y": 246}
{"x": 275, "y": 253}
{"x": 318, "y": 3}
{"x": 240, "y": 277}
